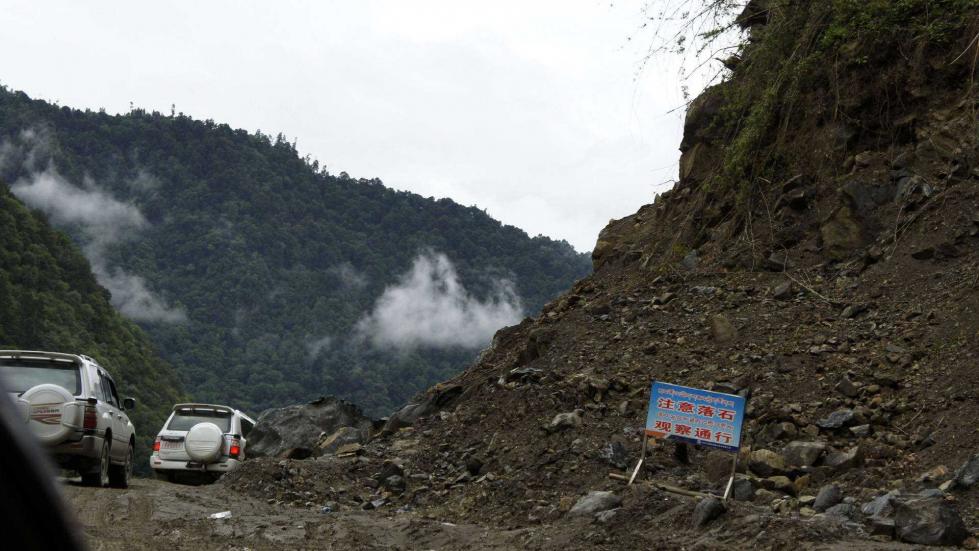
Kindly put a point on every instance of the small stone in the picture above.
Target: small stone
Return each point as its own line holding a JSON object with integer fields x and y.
{"x": 860, "y": 431}
{"x": 743, "y": 490}
{"x": 880, "y": 506}
{"x": 665, "y": 298}
{"x": 614, "y": 453}
{"x": 847, "y": 388}
{"x": 968, "y": 474}
{"x": 766, "y": 463}
{"x": 935, "y": 474}
{"x": 707, "y": 510}
{"x": 783, "y": 291}
{"x": 803, "y": 454}
{"x": 395, "y": 483}
{"x": 843, "y": 510}
{"x": 853, "y": 310}
{"x": 827, "y": 497}
{"x": 563, "y": 421}
{"x": 779, "y": 484}
{"x": 605, "y": 516}
{"x": 864, "y": 159}
{"x": 837, "y": 419}
{"x": 595, "y": 502}
{"x": 844, "y": 460}
{"x": 779, "y": 261}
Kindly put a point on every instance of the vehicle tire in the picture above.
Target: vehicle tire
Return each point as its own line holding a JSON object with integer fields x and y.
{"x": 119, "y": 474}
{"x": 99, "y": 477}
{"x": 204, "y": 442}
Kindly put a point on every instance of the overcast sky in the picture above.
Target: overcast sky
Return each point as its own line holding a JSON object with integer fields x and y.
{"x": 533, "y": 110}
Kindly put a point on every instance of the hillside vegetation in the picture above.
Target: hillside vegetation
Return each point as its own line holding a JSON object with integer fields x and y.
{"x": 257, "y": 273}
{"x": 49, "y": 300}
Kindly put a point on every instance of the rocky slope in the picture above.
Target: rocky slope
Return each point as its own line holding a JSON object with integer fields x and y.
{"x": 819, "y": 255}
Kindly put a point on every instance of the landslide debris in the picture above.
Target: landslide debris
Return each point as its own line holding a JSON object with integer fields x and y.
{"x": 307, "y": 430}
{"x": 819, "y": 256}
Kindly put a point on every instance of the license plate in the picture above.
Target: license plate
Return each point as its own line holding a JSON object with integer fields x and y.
{"x": 171, "y": 445}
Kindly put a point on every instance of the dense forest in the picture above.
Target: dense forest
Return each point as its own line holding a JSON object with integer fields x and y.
{"x": 49, "y": 300}
{"x": 255, "y": 270}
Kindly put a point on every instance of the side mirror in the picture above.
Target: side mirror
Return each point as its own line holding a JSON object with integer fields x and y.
{"x": 128, "y": 403}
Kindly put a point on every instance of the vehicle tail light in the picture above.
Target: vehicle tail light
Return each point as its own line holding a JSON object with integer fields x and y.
{"x": 90, "y": 421}
{"x": 156, "y": 444}
{"x": 235, "y": 450}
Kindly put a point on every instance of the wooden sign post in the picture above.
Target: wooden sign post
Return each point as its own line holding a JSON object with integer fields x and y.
{"x": 694, "y": 416}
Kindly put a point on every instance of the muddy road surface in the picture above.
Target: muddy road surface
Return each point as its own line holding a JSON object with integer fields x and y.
{"x": 153, "y": 514}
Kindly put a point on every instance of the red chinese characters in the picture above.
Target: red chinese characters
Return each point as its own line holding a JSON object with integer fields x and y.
{"x": 726, "y": 414}
{"x": 663, "y": 426}
{"x": 706, "y": 411}
{"x": 723, "y": 437}
{"x": 664, "y": 403}
{"x": 683, "y": 430}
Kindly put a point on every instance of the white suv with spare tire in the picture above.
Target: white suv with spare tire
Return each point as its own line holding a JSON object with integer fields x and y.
{"x": 70, "y": 403}
{"x": 202, "y": 438}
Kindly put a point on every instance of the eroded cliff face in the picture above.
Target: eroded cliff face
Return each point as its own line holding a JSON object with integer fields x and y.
{"x": 818, "y": 254}
{"x": 809, "y": 151}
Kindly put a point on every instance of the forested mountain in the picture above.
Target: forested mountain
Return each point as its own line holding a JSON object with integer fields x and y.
{"x": 263, "y": 278}
{"x": 49, "y": 300}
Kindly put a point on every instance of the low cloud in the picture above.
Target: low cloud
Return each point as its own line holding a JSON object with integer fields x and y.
{"x": 132, "y": 297}
{"x": 349, "y": 277}
{"x": 429, "y": 307}
{"x": 315, "y": 347}
{"x": 103, "y": 221}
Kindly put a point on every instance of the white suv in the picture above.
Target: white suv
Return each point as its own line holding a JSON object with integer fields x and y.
{"x": 203, "y": 438}
{"x": 71, "y": 405}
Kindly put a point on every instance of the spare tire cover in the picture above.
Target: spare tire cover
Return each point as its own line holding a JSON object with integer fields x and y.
{"x": 204, "y": 442}
{"x": 46, "y": 404}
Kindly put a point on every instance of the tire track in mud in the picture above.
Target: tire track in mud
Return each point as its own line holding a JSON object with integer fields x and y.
{"x": 153, "y": 514}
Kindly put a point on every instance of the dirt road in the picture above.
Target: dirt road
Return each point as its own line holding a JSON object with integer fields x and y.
{"x": 152, "y": 514}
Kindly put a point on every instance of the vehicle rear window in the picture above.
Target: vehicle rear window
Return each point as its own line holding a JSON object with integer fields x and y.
{"x": 20, "y": 375}
{"x": 185, "y": 419}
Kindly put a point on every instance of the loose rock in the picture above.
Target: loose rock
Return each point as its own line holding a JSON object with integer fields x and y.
{"x": 803, "y": 454}
{"x": 766, "y": 463}
{"x": 707, "y": 510}
{"x": 928, "y": 521}
{"x": 595, "y": 502}
{"x": 827, "y": 497}
{"x": 968, "y": 474}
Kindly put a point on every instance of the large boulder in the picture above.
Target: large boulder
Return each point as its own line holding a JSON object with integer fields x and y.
{"x": 296, "y": 431}
{"x": 929, "y": 521}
